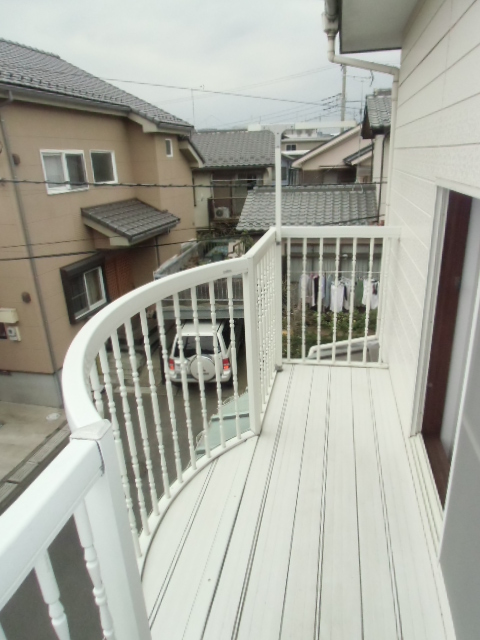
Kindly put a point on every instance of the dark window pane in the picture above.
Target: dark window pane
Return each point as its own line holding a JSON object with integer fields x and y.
{"x": 76, "y": 169}
{"x": 102, "y": 164}
{"x": 79, "y": 295}
{"x": 94, "y": 286}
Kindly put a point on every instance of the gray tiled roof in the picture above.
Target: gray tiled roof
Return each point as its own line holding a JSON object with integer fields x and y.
{"x": 31, "y": 68}
{"x": 310, "y": 206}
{"x": 379, "y": 110}
{"x": 236, "y": 148}
{"x": 131, "y": 219}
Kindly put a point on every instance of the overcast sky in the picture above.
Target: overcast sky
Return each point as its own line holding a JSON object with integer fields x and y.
{"x": 249, "y": 47}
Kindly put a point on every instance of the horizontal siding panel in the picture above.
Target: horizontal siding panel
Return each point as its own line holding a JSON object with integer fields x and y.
{"x": 427, "y": 101}
{"x": 460, "y": 7}
{"x": 462, "y": 80}
{"x": 464, "y": 35}
{"x": 456, "y": 125}
{"x": 418, "y": 222}
{"x": 432, "y": 67}
{"x": 460, "y": 123}
{"x": 436, "y": 29}
{"x": 459, "y": 164}
{"x": 419, "y": 21}
{"x": 422, "y": 192}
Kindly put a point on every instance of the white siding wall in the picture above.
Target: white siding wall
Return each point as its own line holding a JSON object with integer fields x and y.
{"x": 437, "y": 142}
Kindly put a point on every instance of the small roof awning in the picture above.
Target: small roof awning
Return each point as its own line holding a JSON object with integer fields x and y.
{"x": 128, "y": 222}
{"x": 359, "y": 156}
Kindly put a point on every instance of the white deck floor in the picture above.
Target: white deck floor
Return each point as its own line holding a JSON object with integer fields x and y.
{"x": 311, "y": 530}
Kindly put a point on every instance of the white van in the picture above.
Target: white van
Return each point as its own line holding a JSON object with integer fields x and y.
{"x": 206, "y": 360}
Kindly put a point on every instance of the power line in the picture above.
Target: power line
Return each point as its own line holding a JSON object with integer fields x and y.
{"x": 222, "y": 93}
{"x": 152, "y": 246}
{"x": 224, "y": 183}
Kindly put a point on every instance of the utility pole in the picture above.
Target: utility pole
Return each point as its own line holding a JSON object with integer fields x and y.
{"x": 344, "y": 93}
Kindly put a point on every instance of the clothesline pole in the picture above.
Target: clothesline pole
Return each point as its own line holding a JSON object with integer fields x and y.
{"x": 352, "y": 299}
{"x": 334, "y": 301}
{"x": 304, "y": 294}
{"x": 318, "y": 301}
{"x": 369, "y": 299}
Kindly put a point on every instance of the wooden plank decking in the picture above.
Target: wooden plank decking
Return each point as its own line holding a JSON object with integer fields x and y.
{"x": 311, "y": 530}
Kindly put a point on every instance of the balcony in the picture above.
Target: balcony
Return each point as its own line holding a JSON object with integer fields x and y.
{"x": 303, "y": 520}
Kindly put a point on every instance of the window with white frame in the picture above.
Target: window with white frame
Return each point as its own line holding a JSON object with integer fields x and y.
{"x": 64, "y": 171}
{"x": 169, "y": 147}
{"x": 84, "y": 287}
{"x": 291, "y": 147}
{"x": 103, "y": 167}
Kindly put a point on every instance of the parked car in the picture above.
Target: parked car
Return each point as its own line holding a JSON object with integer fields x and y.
{"x": 207, "y": 358}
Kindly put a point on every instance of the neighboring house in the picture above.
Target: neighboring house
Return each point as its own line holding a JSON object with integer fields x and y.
{"x": 313, "y": 207}
{"x": 234, "y": 162}
{"x": 309, "y": 206}
{"x": 296, "y": 143}
{"x": 433, "y": 330}
{"x": 376, "y": 127}
{"x": 326, "y": 163}
{"x": 75, "y": 240}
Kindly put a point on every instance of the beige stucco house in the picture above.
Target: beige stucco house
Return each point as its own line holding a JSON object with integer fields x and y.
{"x": 234, "y": 162}
{"x": 76, "y": 229}
{"x": 325, "y": 164}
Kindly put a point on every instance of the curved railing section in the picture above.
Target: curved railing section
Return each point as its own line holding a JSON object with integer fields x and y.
{"x": 135, "y": 361}
{"x": 132, "y": 364}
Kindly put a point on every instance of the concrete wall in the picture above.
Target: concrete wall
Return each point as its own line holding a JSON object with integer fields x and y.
{"x": 55, "y": 223}
{"x": 437, "y": 143}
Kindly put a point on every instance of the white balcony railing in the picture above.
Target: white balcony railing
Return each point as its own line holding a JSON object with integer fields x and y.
{"x": 113, "y": 405}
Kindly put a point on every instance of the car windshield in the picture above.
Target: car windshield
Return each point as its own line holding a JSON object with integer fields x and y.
{"x": 190, "y": 347}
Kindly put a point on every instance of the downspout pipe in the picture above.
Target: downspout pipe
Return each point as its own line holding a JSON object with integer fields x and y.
{"x": 330, "y": 26}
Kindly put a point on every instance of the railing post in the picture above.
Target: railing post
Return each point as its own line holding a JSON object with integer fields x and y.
{"x": 107, "y": 512}
{"x": 278, "y": 250}
{"x": 252, "y": 346}
{"x": 278, "y": 306}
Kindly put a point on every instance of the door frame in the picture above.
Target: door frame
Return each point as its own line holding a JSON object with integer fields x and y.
{"x": 433, "y": 279}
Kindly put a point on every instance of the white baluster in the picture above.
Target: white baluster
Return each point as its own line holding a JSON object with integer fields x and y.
{"x": 51, "y": 596}
{"x": 96, "y": 388}
{"x": 155, "y": 406}
{"x": 93, "y": 567}
{"x": 304, "y": 293}
{"x": 289, "y": 260}
{"x": 168, "y": 385}
{"x": 334, "y": 337}
{"x": 369, "y": 298}
{"x": 141, "y": 415}
{"x": 217, "y": 358}
{"x": 233, "y": 355}
{"x": 352, "y": 300}
{"x": 119, "y": 447}
{"x": 319, "y": 298}
{"x": 201, "y": 381}
{"x": 183, "y": 371}
{"x": 130, "y": 433}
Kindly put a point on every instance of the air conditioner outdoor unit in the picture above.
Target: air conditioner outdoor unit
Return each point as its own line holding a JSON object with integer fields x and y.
{"x": 222, "y": 213}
